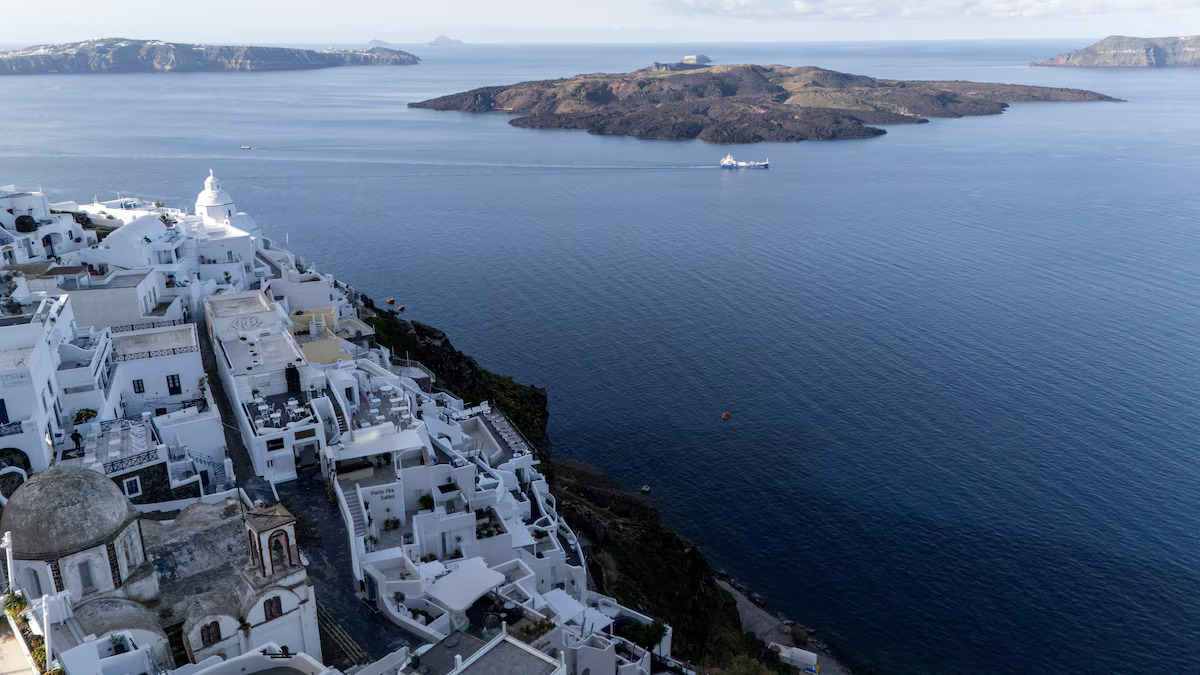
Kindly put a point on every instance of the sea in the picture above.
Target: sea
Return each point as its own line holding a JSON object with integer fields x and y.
{"x": 960, "y": 360}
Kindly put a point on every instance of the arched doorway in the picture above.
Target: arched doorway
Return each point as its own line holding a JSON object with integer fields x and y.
{"x": 15, "y": 457}
{"x": 50, "y": 241}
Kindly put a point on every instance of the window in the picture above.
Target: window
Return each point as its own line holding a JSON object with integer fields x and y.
{"x": 273, "y": 608}
{"x": 86, "y": 582}
{"x": 139, "y": 387}
{"x": 173, "y": 388}
{"x": 306, "y": 433}
{"x": 133, "y": 487}
{"x": 210, "y": 634}
{"x": 275, "y": 444}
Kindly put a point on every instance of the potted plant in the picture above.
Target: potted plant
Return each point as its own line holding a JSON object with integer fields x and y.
{"x": 398, "y": 597}
{"x": 118, "y": 644}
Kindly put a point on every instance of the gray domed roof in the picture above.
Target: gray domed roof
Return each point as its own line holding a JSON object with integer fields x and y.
{"x": 64, "y": 510}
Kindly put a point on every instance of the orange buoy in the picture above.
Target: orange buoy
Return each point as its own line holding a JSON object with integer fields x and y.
{"x": 726, "y": 415}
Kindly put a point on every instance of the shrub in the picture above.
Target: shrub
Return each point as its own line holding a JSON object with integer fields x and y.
{"x": 15, "y": 603}
{"x": 426, "y": 502}
{"x": 83, "y": 415}
{"x": 645, "y": 635}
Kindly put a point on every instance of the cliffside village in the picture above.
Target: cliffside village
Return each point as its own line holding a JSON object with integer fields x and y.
{"x": 161, "y": 372}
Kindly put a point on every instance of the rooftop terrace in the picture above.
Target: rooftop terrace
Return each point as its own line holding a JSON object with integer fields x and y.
{"x": 151, "y": 342}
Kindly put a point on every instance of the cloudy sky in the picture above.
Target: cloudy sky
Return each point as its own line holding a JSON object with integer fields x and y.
{"x": 351, "y": 21}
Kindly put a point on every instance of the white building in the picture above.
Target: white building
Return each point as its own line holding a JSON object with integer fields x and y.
{"x": 268, "y": 380}
{"x": 220, "y": 580}
{"x": 31, "y": 231}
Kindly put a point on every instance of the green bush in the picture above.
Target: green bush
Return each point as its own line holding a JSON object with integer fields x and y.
{"x": 15, "y": 603}
{"x": 645, "y": 635}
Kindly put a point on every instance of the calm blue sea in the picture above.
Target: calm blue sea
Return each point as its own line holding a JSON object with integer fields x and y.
{"x": 961, "y": 358}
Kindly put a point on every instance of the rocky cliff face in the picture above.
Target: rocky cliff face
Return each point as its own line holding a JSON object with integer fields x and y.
{"x": 118, "y": 55}
{"x": 1133, "y": 52}
{"x": 741, "y": 104}
{"x": 631, "y": 555}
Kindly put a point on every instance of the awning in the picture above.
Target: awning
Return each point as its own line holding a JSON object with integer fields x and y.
{"x": 460, "y": 589}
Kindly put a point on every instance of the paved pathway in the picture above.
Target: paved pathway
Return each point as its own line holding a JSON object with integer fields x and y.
{"x": 12, "y": 660}
{"x": 770, "y": 628}
{"x": 322, "y": 538}
{"x": 234, "y": 448}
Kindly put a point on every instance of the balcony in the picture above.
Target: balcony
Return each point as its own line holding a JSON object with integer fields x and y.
{"x": 10, "y": 428}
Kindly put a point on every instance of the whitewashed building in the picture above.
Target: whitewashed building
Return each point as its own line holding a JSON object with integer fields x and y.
{"x": 31, "y": 231}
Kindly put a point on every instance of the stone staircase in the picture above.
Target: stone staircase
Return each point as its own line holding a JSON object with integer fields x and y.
{"x": 356, "y": 511}
{"x": 338, "y": 414}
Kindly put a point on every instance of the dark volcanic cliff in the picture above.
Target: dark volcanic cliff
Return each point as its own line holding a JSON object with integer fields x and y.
{"x": 119, "y": 55}
{"x": 632, "y": 555}
{"x": 743, "y": 103}
{"x": 1133, "y": 52}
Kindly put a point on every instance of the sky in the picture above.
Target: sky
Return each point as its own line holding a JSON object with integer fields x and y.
{"x": 412, "y": 21}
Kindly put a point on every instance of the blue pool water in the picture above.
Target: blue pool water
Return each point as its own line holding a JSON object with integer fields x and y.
{"x": 961, "y": 358}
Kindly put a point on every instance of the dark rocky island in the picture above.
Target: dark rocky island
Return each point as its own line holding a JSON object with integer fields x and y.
{"x": 1119, "y": 51}
{"x": 742, "y": 103}
{"x": 120, "y": 55}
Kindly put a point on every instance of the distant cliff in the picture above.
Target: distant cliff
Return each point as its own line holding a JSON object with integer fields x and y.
{"x": 742, "y": 103}
{"x": 1133, "y": 52}
{"x": 120, "y": 55}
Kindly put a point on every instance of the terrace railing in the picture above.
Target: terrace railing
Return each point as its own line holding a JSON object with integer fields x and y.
{"x": 10, "y": 429}
{"x": 155, "y": 352}
{"x": 132, "y": 461}
{"x": 149, "y": 324}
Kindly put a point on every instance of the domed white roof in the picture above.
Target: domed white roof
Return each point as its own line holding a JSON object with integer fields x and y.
{"x": 63, "y": 510}
{"x": 213, "y": 195}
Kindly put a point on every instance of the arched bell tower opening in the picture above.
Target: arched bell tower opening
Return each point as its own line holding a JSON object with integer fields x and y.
{"x": 271, "y": 534}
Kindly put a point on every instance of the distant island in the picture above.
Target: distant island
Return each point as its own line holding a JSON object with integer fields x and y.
{"x": 122, "y": 55}
{"x": 741, "y": 103}
{"x": 444, "y": 41}
{"x": 1132, "y": 52}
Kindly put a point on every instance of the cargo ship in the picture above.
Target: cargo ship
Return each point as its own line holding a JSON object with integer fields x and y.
{"x": 729, "y": 163}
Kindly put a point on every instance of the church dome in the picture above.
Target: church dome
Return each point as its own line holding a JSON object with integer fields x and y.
{"x": 213, "y": 195}
{"x": 63, "y": 510}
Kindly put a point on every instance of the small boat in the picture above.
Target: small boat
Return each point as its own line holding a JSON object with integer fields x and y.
{"x": 247, "y": 147}
{"x": 400, "y": 308}
{"x": 726, "y": 415}
{"x": 391, "y": 301}
{"x": 730, "y": 163}
{"x": 645, "y": 489}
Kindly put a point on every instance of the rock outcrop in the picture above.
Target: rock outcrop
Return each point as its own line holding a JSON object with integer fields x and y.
{"x": 741, "y": 103}
{"x": 120, "y": 55}
{"x": 1119, "y": 51}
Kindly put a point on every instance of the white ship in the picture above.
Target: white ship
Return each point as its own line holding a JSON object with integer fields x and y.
{"x": 730, "y": 163}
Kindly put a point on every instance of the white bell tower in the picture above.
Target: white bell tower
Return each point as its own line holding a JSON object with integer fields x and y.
{"x": 214, "y": 202}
